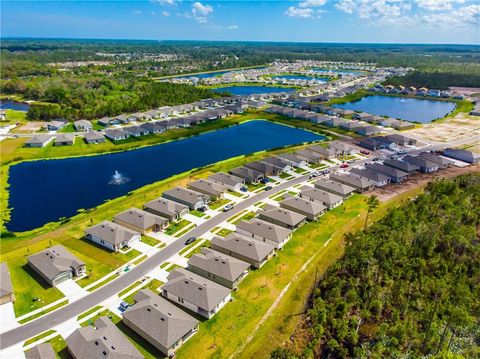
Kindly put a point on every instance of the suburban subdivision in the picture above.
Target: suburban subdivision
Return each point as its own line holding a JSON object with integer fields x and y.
{"x": 203, "y": 199}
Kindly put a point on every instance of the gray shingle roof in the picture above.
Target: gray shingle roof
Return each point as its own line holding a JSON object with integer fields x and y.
{"x": 6, "y": 287}
{"x": 247, "y": 247}
{"x": 41, "y": 351}
{"x": 195, "y": 289}
{"x": 208, "y": 187}
{"x": 159, "y": 319}
{"x": 300, "y": 204}
{"x": 103, "y": 341}
{"x": 319, "y": 195}
{"x": 357, "y": 182}
{"x": 139, "y": 218}
{"x": 282, "y": 215}
{"x": 219, "y": 264}
{"x": 264, "y": 229}
{"x": 55, "y": 260}
{"x": 370, "y": 174}
{"x": 226, "y": 178}
{"x": 93, "y": 136}
{"x": 164, "y": 205}
{"x": 186, "y": 195}
{"x": 332, "y": 186}
{"x": 111, "y": 232}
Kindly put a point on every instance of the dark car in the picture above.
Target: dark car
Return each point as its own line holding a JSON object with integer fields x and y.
{"x": 264, "y": 180}
{"x": 268, "y": 188}
{"x": 190, "y": 240}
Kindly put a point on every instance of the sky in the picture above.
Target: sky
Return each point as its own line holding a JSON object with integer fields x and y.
{"x": 351, "y": 21}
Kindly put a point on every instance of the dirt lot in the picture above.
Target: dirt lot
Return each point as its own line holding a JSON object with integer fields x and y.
{"x": 420, "y": 179}
{"x": 30, "y": 126}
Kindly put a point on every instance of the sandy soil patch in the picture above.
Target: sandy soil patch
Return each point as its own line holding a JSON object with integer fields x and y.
{"x": 31, "y": 126}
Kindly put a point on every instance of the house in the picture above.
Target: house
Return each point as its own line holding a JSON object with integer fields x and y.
{"x": 350, "y": 125}
{"x": 56, "y": 125}
{"x": 266, "y": 232}
{"x": 311, "y": 210}
{"x": 247, "y": 174}
{"x": 192, "y": 199}
{"x": 279, "y": 163}
{"x": 102, "y": 340}
{"x": 327, "y": 199}
{"x": 425, "y": 165}
{"x": 165, "y": 208}
{"x": 83, "y": 126}
{"x": 141, "y": 221}
{"x": 39, "y": 141}
{"x": 402, "y": 166}
{"x": 6, "y": 287}
{"x": 116, "y": 134}
{"x": 363, "y": 116}
{"x": 266, "y": 169}
{"x": 394, "y": 174}
{"x": 56, "y": 265}
{"x": 401, "y": 140}
{"x": 361, "y": 184}
{"x": 152, "y": 127}
{"x": 441, "y": 161}
{"x": 94, "y": 137}
{"x": 378, "y": 179}
{"x": 227, "y": 180}
{"x": 325, "y": 153}
{"x": 336, "y": 188}
{"x": 159, "y": 322}
{"x": 370, "y": 144}
{"x": 213, "y": 190}
{"x": 342, "y": 148}
{"x": 111, "y": 235}
{"x": 320, "y": 119}
{"x": 309, "y": 156}
{"x": 136, "y": 131}
{"x": 106, "y": 121}
{"x": 282, "y": 217}
{"x": 249, "y": 250}
{"x": 293, "y": 159}
{"x": 123, "y": 119}
{"x": 403, "y": 125}
{"x": 335, "y": 122}
{"x": 196, "y": 293}
{"x": 462, "y": 155}
{"x": 64, "y": 139}
{"x": 218, "y": 267}
{"x": 41, "y": 351}
{"x": 367, "y": 130}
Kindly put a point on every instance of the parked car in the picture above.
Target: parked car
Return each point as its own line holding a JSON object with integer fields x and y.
{"x": 344, "y": 165}
{"x": 244, "y": 189}
{"x": 123, "y": 306}
{"x": 203, "y": 209}
{"x": 264, "y": 180}
{"x": 364, "y": 152}
{"x": 227, "y": 207}
{"x": 268, "y": 188}
{"x": 190, "y": 240}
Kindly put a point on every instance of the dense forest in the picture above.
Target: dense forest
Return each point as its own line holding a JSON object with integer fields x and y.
{"x": 407, "y": 287}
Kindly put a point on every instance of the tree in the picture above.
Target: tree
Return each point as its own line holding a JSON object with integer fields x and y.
{"x": 372, "y": 203}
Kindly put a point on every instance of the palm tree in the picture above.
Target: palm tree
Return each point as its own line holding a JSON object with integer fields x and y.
{"x": 372, "y": 203}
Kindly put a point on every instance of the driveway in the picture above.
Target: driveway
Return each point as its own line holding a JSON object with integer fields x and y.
{"x": 72, "y": 290}
{"x": 144, "y": 248}
{"x": 7, "y": 316}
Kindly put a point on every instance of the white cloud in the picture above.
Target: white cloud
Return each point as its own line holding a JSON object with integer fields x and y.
{"x": 201, "y": 12}
{"x": 438, "y": 5}
{"x": 367, "y": 9}
{"x": 293, "y": 11}
{"x": 164, "y": 2}
{"x": 165, "y": 13}
{"x": 462, "y": 17}
{"x": 233, "y": 27}
{"x": 312, "y": 3}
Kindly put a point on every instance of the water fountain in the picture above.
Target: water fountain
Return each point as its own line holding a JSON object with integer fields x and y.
{"x": 118, "y": 179}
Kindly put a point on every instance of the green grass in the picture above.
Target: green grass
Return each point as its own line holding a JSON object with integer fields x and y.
{"x": 129, "y": 288}
{"x": 197, "y": 213}
{"x": 187, "y": 248}
{"x": 235, "y": 193}
{"x": 172, "y": 267}
{"x": 164, "y": 265}
{"x": 185, "y": 230}
{"x": 103, "y": 282}
{"x": 299, "y": 170}
{"x": 140, "y": 259}
{"x": 246, "y": 217}
{"x": 43, "y": 312}
{"x": 88, "y": 312}
{"x": 177, "y": 226}
{"x": 153, "y": 285}
{"x": 105, "y": 313}
{"x": 69, "y": 128}
{"x": 219, "y": 203}
{"x": 60, "y": 347}
{"x": 224, "y": 232}
{"x": 205, "y": 244}
{"x": 285, "y": 175}
{"x": 150, "y": 241}
{"x": 38, "y": 337}
{"x": 254, "y": 186}
{"x": 144, "y": 347}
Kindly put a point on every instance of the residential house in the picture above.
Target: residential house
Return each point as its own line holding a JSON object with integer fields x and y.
{"x": 247, "y": 174}
{"x": 402, "y": 166}
{"x": 6, "y": 287}
{"x": 325, "y": 153}
{"x": 165, "y": 208}
{"x": 229, "y": 181}
{"x": 335, "y": 122}
{"x": 311, "y": 210}
{"x": 116, "y": 134}
{"x": 102, "y": 340}
{"x": 361, "y": 184}
{"x": 141, "y": 221}
{"x": 293, "y": 159}
{"x": 266, "y": 169}
{"x": 213, "y": 190}
{"x": 123, "y": 119}
{"x": 57, "y": 124}
{"x": 378, "y": 179}
{"x": 327, "y": 199}
{"x": 196, "y": 293}
{"x": 249, "y": 250}
{"x": 83, "y": 126}
{"x": 112, "y": 235}
{"x": 56, "y": 265}
{"x": 194, "y": 200}
{"x": 342, "y": 148}
{"x": 105, "y": 121}
{"x": 441, "y": 161}
{"x": 218, "y": 267}
{"x": 279, "y": 163}
{"x": 282, "y": 217}
{"x": 336, "y": 188}
{"x": 462, "y": 155}
{"x": 159, "y": 322}
{"x": 309, "y": 156}
{"x": 64, "y": 139}
{"x": 94, "y": 137}
{"x": 370, "y": 143}
{"x": 367, "y": 130}
{"x": 394, "y": 174}
{"x": 351, "y": 125}
{"x": 266, "y": 232}
{"x": 41, "y": 351}
{"x": 136, "y": 131}
{"x": 425, "y": 165}
{"x": 39, "y": 141}
{"x": 401, "y": 140}
{"x": 152, "y": 127}
{"x": 363, "y": 116}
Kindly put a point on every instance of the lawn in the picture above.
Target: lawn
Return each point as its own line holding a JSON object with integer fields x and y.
{"x": 224, "y": 232}
{"x": 103, "y": 282}
{"x": 105, "y": 313}
{"x": 285, "y": 175}
{"x": 172, "y": 267}
{"x": 219, "y": 203}
{"x": 254, "y": 186}
{"x": 205, "y": 244}
{"x": 88, "y": 312}
{"x": 246, "y": 217}
{"x": 194, "y": 243}
{"x": 150, "y": 241}
{"x": 197, "y": 213}
{"x": 153, "y": 285}
{"x": 43, "y": 312}
{"x": 174, "y": 227}
{"x": 38, "y": 337}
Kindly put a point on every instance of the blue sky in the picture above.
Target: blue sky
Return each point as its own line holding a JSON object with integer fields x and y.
{"x": 384, "y": 21}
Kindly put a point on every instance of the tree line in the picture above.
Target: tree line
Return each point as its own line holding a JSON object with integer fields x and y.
{"x": 407, "y": 286}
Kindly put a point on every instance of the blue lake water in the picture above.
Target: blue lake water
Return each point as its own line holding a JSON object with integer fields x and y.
{"x": 13, "y": 105}
{"x": 409, "y": 109}
{"x": 300, "y": 77}
{"x": 43, "y": 191}
{"x": 340, "y": 71}
{"x": 253, "y": 90}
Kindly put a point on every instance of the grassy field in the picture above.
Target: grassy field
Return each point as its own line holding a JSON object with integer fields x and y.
{"x": 224, "y": 232}
{"x": 219, "y": 203}
{"x": 177, "y": 226}
{"x": 150, "y": 241}
{"x": 43, "y": 312}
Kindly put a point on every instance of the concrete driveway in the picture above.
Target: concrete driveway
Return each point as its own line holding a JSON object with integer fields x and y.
{"x": 72, "y": 290}
{"x": 7, "y": 317}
